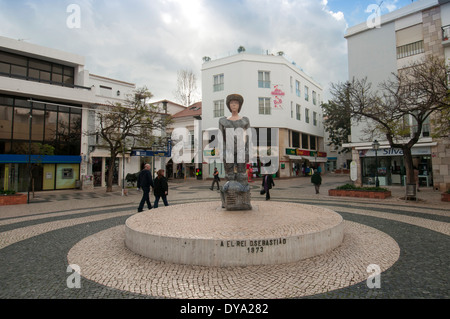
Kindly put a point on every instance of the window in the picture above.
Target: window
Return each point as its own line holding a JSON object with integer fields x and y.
{"x": 295, "y": 139}
{"x": 305, "y": 140}
{"x": 264, "y": 79}
{"x": 312, "y": 142}
{"x": 218, "y": 83}
{"x": 315, "y": 118}
{"x": 14, "y": 65}
{"x": 306, "y": 93}
{"x": 298, "y": 114}
{"x": 314, "y": 98}
{"x": 18, "y": 71}
{"x": 307, "y": 115}
{"x": 219, "y": 108}
{"x": 5, "y": 68}
{"x": 264, "y": 105}
{"x": 5, "y": 122}
{"x": 297, "y": 88}
{"x": 37, "y": 126}
{"x": 292, "y": 111}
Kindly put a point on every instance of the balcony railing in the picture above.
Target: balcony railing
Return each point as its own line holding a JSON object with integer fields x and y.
{"x": 446, "y": 33}
{"x": 410, "y": 49}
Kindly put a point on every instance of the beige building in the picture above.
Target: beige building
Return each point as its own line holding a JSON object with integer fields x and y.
{"x": 403, "y": 36}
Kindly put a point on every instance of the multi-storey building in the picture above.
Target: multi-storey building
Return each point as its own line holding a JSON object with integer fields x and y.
{"x": 282, "y": 103}
{"x": 187, "y": 123}
{"x": 402, "y": 36}
{"x": 48, "y": 98}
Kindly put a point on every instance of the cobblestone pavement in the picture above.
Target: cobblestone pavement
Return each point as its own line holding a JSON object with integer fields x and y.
{"x": 35, "y": 239}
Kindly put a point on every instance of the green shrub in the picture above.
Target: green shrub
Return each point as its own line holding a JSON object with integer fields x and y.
{"x": 353, "y": 187}
{"x": 2, "y": 192}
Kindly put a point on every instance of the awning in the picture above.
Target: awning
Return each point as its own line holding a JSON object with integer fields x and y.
{"x": 41, "y": 159}
{"x": 315, "y": 159}
{"x": 295, "y": 157}
{"x": 105, "y": 153}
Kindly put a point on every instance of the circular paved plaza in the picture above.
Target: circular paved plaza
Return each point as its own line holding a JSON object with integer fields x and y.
{"x": 408, "y": 241}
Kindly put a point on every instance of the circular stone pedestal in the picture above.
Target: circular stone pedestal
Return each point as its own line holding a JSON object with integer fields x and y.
{"x": 207, "y": 235}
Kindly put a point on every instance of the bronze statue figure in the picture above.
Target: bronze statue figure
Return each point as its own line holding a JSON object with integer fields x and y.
{"x": 234, "y": 129}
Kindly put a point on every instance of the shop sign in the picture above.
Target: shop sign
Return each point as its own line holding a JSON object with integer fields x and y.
{"x": 213, "y": 152}
{"x": 395, "y": 152}
{"x": 299, "y": 152}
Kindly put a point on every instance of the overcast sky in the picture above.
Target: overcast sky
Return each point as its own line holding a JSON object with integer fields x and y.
{"x": 147, "y": 41}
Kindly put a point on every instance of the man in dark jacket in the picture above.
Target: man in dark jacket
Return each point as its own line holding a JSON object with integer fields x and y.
{"x": 216, "y": 179}
{"x": 316, "y": 180}
{"x": 267, "y": 184}
{"x": 145, "y": 181}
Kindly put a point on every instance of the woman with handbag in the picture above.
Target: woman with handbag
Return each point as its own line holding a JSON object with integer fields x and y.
{"x": 161, "y": 189}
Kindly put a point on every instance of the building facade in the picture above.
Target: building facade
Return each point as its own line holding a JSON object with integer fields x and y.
{"x": 402, "y": 37}
{"x": 186, "y": 124}
{"x": 282, "y": 103}
{"x": 47, "y": 101}
{"x": 96, "y": 161}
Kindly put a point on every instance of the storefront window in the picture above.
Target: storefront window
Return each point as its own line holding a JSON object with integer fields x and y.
{"x": 21, "y": 123}
{"x": 5, "y": 122}
{"x": 37, "y": 127}
{"x": 51, "y": 119}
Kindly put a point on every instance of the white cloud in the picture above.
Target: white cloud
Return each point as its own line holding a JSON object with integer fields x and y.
{"x": 147, "y": 42}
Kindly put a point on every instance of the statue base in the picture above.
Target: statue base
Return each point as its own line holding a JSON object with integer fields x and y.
{"x": 236, "y": 196}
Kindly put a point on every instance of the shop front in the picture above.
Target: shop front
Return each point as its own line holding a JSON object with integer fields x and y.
{"x": 303, "y": 162}
{"x": 388, "y": 165}
{"x": 46, "y": 172}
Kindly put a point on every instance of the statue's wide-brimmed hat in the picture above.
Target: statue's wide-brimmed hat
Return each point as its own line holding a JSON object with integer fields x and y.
{"x": 235, "y": 97}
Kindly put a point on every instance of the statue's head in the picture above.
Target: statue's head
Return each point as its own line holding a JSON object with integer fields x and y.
{"x": 235, "y": 97}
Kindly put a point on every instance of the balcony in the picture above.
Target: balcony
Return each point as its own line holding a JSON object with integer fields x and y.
{"x": 446, "y": 35}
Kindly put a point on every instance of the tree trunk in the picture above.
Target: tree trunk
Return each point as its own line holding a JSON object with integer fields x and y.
{"x": 109, "y": 179}
{"x": 407, "y": 156}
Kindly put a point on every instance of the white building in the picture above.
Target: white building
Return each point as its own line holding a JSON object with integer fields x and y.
{"x": 402, "y": 36}
{"x": 107, "y": 92}
{"x": 45, "y": 97}
{"x": 188, "y": 124}
{"x": 278, "y": 96}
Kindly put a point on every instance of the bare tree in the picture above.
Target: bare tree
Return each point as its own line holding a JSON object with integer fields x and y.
{"x": 132, "y": 123}
{"x": 186, "y": 87}
{"x": 414, "y": 94}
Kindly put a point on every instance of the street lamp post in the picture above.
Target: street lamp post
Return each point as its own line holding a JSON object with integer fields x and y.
{"x": 376, "y": 146}
{"x": 154, "y": 147}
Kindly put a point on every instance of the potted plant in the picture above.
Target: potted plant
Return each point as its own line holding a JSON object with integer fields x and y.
{"x": 9, "y": 197}
{"x": 350, "y": 190}
{"x": 445, "y": 197}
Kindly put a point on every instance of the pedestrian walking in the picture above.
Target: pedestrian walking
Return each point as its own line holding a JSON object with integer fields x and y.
{"x": 316, "y": 179}
{"x": 161, "y": 188}
{"x": 267, "y": 184}
{"x": 216, "y": 179}
{"x": 144, "y": 182}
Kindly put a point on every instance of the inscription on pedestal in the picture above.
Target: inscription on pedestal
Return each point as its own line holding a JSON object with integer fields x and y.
{"x": 253, "y": 246}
